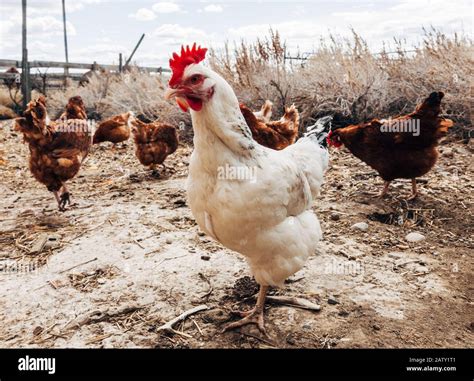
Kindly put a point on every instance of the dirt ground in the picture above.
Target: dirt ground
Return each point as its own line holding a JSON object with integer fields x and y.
{"x": 127, "y": 257}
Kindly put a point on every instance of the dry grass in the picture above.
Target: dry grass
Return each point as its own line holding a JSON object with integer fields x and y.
{"x": 343, "y": 77}
{"x": 111, "y": 94}
{"x": 10, "y": 101}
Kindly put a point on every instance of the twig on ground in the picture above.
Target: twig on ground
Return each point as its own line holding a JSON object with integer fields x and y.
{"x": 262, "y": 339}
{"x": 98, "y": 316}
{"x": 168, "y": 327}
{"x": 210, "y": 290}
{"x": 98, "y": 338}
{"x": 294, "y": 302}
{"x": 197, "y": 326}
{"x": 80, "y": 264}
{"x": 138, "y": 244}
{"x": 397, "y": 266}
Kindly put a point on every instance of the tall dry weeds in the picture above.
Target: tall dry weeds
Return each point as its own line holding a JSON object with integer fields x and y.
{"x": 344, "y": 78}
{"x": 111, "y": 94}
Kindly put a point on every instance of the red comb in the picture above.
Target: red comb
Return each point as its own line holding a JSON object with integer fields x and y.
{"x": 188, "y": 56}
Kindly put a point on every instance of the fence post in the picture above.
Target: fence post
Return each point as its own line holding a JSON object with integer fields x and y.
{"x": 25, "y": 68}
{"x": 66, "y": 68}
{"x": 135, "y": 49}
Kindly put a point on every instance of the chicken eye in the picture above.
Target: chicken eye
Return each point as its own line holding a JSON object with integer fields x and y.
{"x": 195, "y": 79}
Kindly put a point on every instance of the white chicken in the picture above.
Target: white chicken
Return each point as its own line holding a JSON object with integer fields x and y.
{"x": 252, "y": 199}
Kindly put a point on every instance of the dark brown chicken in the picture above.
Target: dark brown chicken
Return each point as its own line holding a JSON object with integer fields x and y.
{"x": 115, "y": 129}
{"x": 277, "y": 134}
{"x": 57, "y": 149}
{"x": 75, "y": 109}
{"x": 154, "y": 142}
{"x": 403, "y": 147}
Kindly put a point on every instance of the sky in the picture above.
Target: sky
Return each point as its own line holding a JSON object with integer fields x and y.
{"x": 98, "y": 30}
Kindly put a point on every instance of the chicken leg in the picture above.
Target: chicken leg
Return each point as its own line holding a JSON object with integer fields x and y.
{"x": 413, "y": 190}
{"x": 58, "y": 200}
{"x": 254, "y": 316}
{"x": 384, "y": 190}
{"x": 65, "y": 197}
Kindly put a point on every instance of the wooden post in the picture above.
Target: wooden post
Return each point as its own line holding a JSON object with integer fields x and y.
{"x": 120, "y": 62}
{"x": 66, "y": 69}
{"x": 135, "y": 49}
{"x": 25, "y": 69}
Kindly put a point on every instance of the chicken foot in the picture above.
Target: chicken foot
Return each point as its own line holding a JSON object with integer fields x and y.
{"x": 254, "y": 316}
{"x": 414, "y": 191}
{"x": 386, "y": 184}
{"x": 62, "y": 197}
{"x": 58, "y": 200}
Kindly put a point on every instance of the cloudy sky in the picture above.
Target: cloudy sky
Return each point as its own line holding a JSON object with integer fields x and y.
{"x": 100, "y": 29}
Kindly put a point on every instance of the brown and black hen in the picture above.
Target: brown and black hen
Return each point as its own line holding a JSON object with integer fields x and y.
{"x": 154, "y": 142}
{"x": 75, "y": 109}
{"x": 402, "y": 147}
{"x": 277, "y": 134}
{"x": 115, "y": 129}
{"x": 57, "y": 149}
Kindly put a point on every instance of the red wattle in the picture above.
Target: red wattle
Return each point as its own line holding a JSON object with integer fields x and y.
{"x": 194, "y": 103}
{"x": 332, "y": 142}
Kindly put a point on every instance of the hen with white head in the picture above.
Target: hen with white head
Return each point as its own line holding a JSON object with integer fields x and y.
{"x": 252, "y": 199}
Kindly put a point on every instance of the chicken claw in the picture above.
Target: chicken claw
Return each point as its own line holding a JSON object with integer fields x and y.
{"x": 384, "y": 190}
{"x": 254, "y": 316}
{"x": 65, "y": 199}
{"x": 414, "y": 193}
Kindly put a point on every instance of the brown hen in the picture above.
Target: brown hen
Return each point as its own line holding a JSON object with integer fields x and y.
{"x": 277, "y": 134}
{"x": 402, "y": 147}
{"x": 57, "y": 149}
{"x": 75, "y": 109}
{"x": 115, "y": 129}
{"x": 154, "y": 142}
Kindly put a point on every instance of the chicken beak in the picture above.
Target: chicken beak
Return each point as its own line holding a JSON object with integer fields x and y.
{"x": 180, "y": 100}
{"x": 182, "y": 103}
{"x": 171, "y": 93}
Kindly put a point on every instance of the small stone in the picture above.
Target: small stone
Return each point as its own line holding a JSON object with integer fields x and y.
{"x": 37, "y": 331}
{"x": 169, "y": 241}
{"x": 201, "y": 234}
{"x": 376, "y": 327}
{"x": 205, "y": 257}
{"x": 335, "y": 217}
{"x": 414, "y": 237}
{"x": 362, "y": 226}
{"x": 332, "y": 300}
{"x": 403, "y": 247}
{"x": 101, "y": 281}
{"x": 343, "y": 313}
